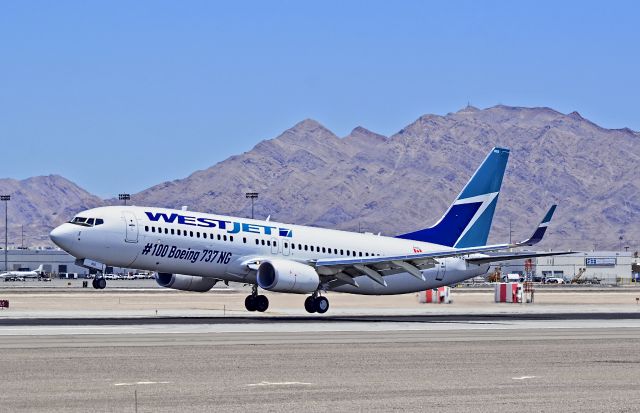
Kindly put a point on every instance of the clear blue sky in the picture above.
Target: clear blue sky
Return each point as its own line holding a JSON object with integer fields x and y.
{"x": 118, "y": 96}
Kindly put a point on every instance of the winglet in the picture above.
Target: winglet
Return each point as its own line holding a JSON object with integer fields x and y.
{"x": 542, "y": 228}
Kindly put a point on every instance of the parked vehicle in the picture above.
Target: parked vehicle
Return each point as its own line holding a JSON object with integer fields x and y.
{"x": 554, "y": 280}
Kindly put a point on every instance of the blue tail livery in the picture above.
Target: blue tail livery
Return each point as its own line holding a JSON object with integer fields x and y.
{"x": 468, "y": 220}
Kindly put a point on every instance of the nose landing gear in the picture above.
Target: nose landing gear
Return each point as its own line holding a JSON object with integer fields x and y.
{"x": 255, "y": 302}
{"x": 316, "y": 304}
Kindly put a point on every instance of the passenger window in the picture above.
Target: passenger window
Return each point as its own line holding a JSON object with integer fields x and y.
{"x": 257, "y": 242}
{"x": 323, "y": 250}
{"x": 275, "y": 244}
{"x": 231, "y": 238}
{"x": 219, "y": 237}
{"x": 153, "y": 229}
{"x": 173, "y": 231}
{"x": 306, "y": 247}
{"x": 361, "y": 253}
{"x": 311, "y": 248}
{"x": 269, "y": 243}
{"x": 348, "y": 252}
{"x": 262, "y": 241}
{"x": 179, "y": 232}
{"x": 244, "y": 240}
{"x": 191, "y": 233}
{"x": 286, "y": 245}
{"x": 293, "y": 246}
{"x": 300, "y": 247}
{"x": 341, "y": 252}
{"x": 146, "y": 228}
{"x": 197, "y": 234}
{"x": 224, "y": 238}
{"x": 166, "y": 231}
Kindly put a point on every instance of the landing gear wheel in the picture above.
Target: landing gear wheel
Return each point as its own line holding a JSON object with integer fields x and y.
{"x": 321, "y": 304}
{"x": 309, "y": 304}
{"x": 101, "y": 283}
{"x": 250, "y": 303}
{"x": 261, "y": 303}
{"x": 94, "y": 284}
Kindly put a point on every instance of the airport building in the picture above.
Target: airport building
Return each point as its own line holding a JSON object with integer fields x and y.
{"x": 603, "y": 267}
{"x": 54, "y": 261}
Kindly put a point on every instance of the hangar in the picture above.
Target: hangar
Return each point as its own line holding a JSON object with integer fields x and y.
{"x": 607, "y": 267}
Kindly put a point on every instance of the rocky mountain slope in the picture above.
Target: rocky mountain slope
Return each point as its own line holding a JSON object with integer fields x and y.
{"x": 308, "y": 175}
{"x": 40, "y": 203}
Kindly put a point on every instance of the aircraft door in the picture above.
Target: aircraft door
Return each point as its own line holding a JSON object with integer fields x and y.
{"x": 131, "y": 225}
{"x": 286, "y": 248}
{"x": 274, "y": 245}
{"x": 442, "y": 268}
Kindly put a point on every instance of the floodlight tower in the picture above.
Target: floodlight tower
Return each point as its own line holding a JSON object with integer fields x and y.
{"x": 124, "y": 197}
{"x": 6, "y": 199}
{"x": 252, "y": 196}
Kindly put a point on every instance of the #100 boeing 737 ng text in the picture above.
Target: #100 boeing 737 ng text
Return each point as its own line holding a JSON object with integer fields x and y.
{"x": 192, "y": 251}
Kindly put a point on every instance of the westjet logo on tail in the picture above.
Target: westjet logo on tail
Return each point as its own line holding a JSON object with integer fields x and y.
{"x": 232, "y": 227}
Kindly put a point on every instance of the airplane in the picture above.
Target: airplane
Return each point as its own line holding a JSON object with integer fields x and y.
{"x": 21, "y": 275}
{"x": 192, "y": 251}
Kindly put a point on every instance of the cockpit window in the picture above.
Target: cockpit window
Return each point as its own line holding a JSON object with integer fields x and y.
{"x": 79, "y": 221}
{"x": 87, "y": 222}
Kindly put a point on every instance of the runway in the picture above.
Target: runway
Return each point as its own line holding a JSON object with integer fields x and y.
{"x": 392, "y": 363}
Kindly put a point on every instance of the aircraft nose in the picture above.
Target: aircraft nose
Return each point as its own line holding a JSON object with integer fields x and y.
{"x": 63, "y": 236}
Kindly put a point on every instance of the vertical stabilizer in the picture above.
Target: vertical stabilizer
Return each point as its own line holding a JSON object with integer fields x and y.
{"x": 468, "y": 220}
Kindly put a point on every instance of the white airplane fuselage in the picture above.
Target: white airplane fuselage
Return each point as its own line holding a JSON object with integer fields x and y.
{"x": 216, "y": 246}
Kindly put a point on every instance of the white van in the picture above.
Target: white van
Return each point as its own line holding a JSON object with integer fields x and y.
{"x": 512, "y": 278}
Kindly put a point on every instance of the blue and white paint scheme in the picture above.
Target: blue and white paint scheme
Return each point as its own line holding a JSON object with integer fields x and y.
{"x": 193, "y": 251}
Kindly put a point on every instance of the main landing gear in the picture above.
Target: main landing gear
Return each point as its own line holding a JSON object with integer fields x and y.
{"x": 316, "y": 304}
{"x": 255, "y": 302}
{"x": 99, "y": 283}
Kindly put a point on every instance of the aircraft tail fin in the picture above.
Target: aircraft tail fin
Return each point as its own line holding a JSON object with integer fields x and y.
{"x": 468, "y": 220}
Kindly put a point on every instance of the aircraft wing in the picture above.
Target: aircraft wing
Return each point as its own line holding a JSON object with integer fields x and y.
{"x": 345, "y": 269}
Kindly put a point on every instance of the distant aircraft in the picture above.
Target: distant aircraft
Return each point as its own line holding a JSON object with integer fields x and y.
{"x": 192, "y": 251}
{"x": 21, "y": 275}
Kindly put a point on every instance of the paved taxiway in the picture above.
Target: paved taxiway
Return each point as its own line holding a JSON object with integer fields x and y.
{"x": 95, "y": 350}
{"x": 559, "y": 364}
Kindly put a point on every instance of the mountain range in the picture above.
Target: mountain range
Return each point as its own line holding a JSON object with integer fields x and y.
{"x": 394, "y": 184}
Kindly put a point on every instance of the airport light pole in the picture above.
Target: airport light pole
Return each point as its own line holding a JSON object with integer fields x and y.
{"x": 124, "y": 197}
{"x": 6, "y": 199}
{"x": 252, "y": 196}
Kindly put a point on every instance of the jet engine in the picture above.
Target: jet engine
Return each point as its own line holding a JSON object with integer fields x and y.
{"x": 185, "y": 282}
{"x": 287, "y": 277}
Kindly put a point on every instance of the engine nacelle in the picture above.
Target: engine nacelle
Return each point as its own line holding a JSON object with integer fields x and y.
{"x": 185, "y": 282}
{"x": 287, "y": 277}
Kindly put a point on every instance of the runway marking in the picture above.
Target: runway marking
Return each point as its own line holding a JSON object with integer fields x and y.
{"x": 523, "y": 377}
{"x": 281, "y": 383}
{"x": 141, "y": 383}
